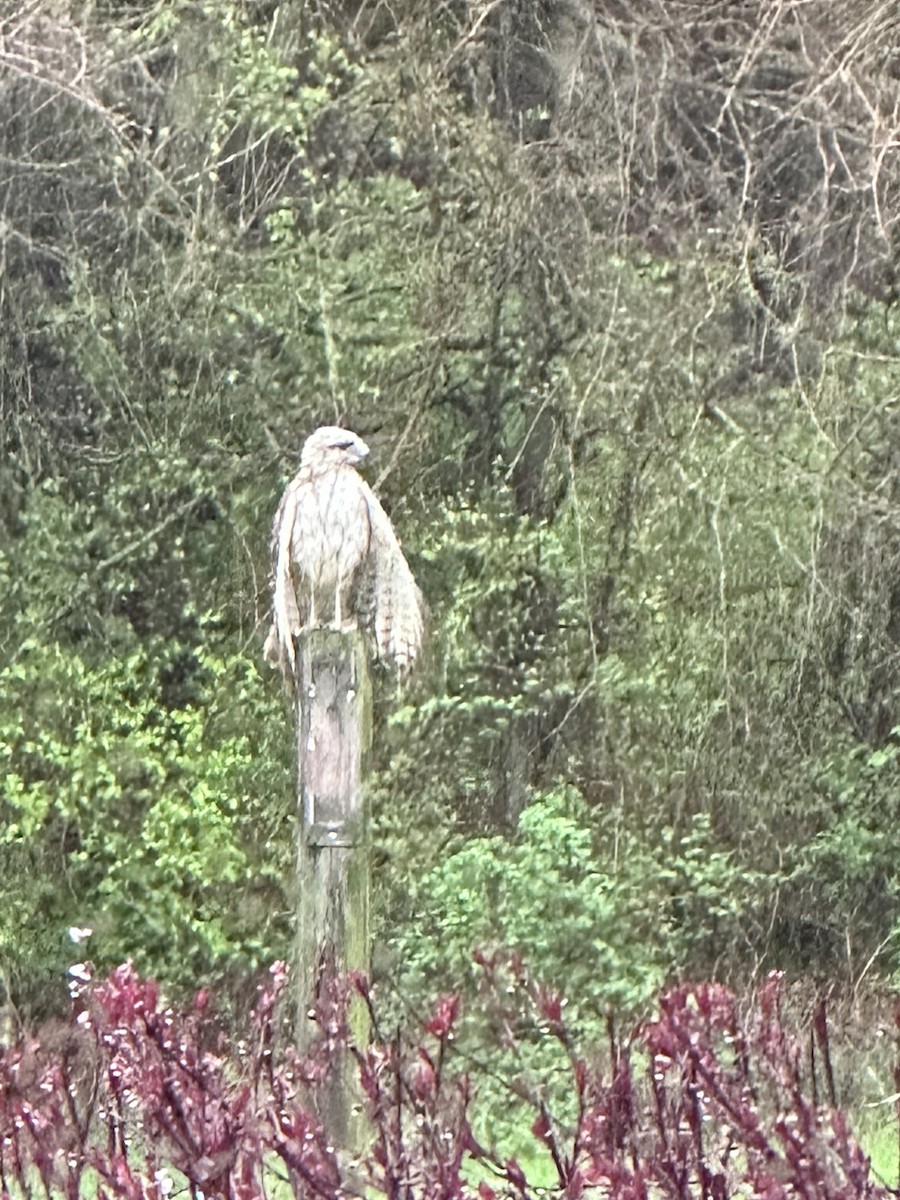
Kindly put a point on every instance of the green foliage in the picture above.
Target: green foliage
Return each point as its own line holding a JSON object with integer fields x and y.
{"x": 847, "y": 877}
{"x": 499, "y": 665}
{"x": 879, "y": 1141}
{"x": 154, "y": 818}
{"x": 605, "y": 912}
{"x": 580, "y": 909}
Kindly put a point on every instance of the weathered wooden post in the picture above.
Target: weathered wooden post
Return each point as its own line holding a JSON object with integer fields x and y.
{"x": 334, "y": 724}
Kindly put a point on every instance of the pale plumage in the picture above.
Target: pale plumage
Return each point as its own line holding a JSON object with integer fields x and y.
{"x": 336, "y": 560}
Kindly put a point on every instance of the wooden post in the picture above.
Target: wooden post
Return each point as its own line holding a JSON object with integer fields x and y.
{"x": 334, "y": 730}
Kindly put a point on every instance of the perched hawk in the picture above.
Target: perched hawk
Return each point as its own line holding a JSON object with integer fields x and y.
{"x": 336, "y": 560}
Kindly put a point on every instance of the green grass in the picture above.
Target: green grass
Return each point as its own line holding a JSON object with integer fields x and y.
{"x": 881, "y": 1142}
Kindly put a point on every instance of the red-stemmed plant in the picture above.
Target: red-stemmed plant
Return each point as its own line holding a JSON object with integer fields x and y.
{"x": 132, "y": 1099}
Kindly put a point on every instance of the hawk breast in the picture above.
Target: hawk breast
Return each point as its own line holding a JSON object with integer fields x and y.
{"x": 331, "y": 532}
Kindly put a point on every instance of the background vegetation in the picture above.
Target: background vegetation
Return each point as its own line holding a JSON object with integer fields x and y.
{"x": 611, "y": 290}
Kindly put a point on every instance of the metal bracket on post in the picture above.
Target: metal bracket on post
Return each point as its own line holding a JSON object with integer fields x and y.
{"x": 329, "y": 834}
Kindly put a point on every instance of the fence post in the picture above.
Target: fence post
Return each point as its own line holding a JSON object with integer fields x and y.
{"x": 334, "y": 731}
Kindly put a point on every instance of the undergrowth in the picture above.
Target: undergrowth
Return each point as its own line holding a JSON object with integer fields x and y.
{"x": 129, "y": 1098}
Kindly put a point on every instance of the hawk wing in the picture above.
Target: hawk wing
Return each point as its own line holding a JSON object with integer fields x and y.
{"x": 393, "y": 606}
{"x": 279, "y": 647}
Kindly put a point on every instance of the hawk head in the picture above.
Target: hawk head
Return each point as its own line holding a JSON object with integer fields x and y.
{"x": 332, "y": 446}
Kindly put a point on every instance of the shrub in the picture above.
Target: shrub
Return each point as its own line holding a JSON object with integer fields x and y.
{"x": 154, "y": 811}
{"x": 130, "y": 1094}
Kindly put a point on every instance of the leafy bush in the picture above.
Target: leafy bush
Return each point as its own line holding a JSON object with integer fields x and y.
{"x": 585, "y": 909}
{"x": 608, "y": 914}
{"x": 131, "y": 783}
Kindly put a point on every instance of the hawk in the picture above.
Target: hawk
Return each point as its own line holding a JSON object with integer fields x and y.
{"x": 336, "y": 560}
